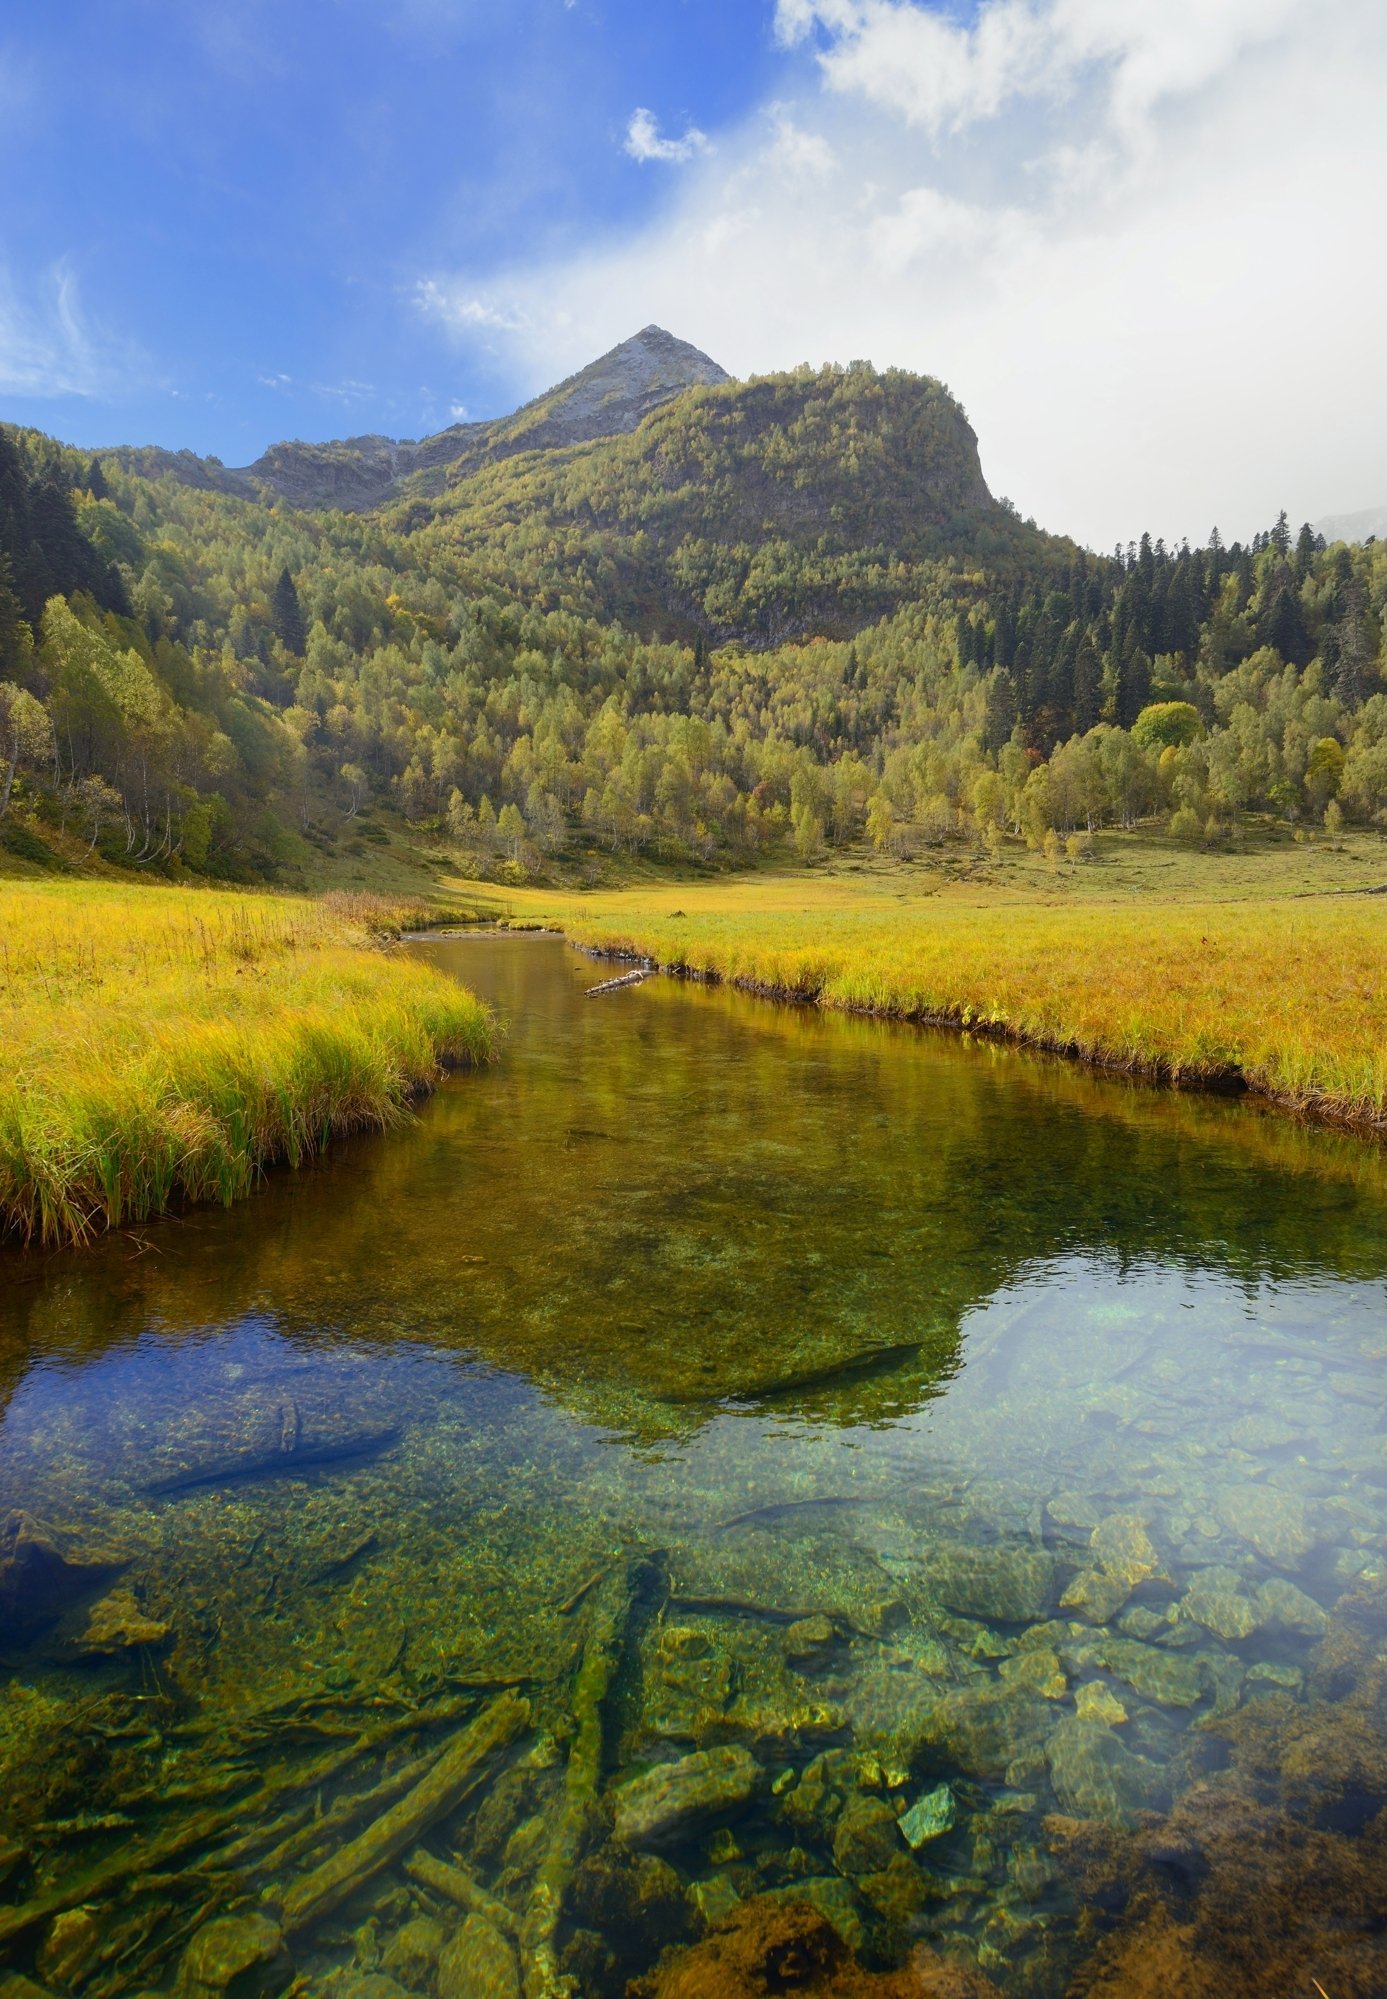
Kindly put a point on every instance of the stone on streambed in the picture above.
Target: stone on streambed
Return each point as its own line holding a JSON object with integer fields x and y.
{"x": 983, "y": 1731}
{"x": 1218, "y": 1600}
{"x": 1096, "y": 1701}
{"x": 1002, "y": 1585}
{"x": 1286, "y": 1608}
{"x": 1155, "y": 1674}
{"x": 1122, "y": 1559}
{"x": 865, "y": 1840}
{"x": 1277, "y": 1524}
{"x": 414, "y": 1950}
{"x": 477, "y": 1963}
{"x": 809, "y": 1642}
{"x": 44, "y": 1572}
{"x": 928, "y": 1818}
{"x": 1094, "y": 1777}
{"x": 246, "y": 1951}
{"x": 679, "y": 1798}
{"x": 117, "y": 1624}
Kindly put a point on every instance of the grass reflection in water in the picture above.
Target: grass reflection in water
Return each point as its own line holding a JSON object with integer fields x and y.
{"x": 725, "y": 1467}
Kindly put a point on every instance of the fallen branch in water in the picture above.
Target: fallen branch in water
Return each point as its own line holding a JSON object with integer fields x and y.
{"x": 456, "y": 1885}
{"x": 440, "y": 1791}
{"x": 610, "y": 1610}
{"x": 617, "y": 985}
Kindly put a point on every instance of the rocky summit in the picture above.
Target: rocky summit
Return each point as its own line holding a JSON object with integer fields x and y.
{"x": 608, "y": 398}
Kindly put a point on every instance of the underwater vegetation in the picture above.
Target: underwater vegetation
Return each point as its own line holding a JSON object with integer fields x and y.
{"x": 162, "y": 1046}
{"x": 1287, "y": 998}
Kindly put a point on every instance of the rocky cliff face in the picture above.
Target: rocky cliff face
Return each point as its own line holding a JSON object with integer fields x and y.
{"x": 608, "y": 398}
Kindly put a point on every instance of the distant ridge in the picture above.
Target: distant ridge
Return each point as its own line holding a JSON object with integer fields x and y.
{"x": 608, "y": 398}
{"x": 1354, "y": 527}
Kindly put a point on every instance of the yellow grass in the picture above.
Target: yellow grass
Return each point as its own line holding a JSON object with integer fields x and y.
{"x": 1290, "y": 995}
{"x": 163, "y": 1045}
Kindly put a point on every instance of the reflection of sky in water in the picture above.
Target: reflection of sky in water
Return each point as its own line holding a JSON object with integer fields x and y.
{"x": 804, "y": 1312}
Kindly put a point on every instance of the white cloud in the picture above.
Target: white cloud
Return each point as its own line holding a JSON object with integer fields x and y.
{"x": 452, "y": 301}
{"x": 1141, "y": 244}
{"x": 644, "y": 141}
{"x": 48, "y": 348}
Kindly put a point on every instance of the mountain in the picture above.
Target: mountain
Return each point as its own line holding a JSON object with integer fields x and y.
{"x": 1363, "y": 526}
{"x": 608, "y": 398}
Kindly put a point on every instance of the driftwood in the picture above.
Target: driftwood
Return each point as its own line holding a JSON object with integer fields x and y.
{"x": 619, "y": 985}
{"x": 439, "y": 1791}
{"x": 457, "y": 1886}
{"x": 611, "y": 1608}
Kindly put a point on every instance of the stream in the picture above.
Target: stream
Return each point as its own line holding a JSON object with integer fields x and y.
{"x": 724, "y": 1457}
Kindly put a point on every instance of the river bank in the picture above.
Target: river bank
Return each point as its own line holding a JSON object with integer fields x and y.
{"x": 1284, "y": 998}
{"x": 163, "y": 1047}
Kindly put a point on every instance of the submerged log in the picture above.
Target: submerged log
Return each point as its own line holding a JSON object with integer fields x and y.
{"x": 255, "y": 1431}
{"x": 610, "y": 1612}
{"x": 457, "y": 1886}
{"x": 440, "y": 1791}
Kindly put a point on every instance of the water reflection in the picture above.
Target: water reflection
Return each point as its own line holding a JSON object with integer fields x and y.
{"x": 908, "y": 1442}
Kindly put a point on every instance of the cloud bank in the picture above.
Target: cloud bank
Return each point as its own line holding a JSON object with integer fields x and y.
{"x": 1140, "y": 244}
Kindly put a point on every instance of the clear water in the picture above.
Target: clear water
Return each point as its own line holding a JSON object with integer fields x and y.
{"x": 870, "y": 1417}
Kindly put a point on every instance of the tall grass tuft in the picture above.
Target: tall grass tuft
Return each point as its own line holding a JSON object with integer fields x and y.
{"x": 161, "y": 1047}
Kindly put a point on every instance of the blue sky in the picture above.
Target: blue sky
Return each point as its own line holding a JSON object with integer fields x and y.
{"x": 1141, "y": 242}
{"x": 207, "y": 201}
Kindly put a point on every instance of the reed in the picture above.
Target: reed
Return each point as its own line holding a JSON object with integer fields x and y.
{"x": 160, "y": 1046}
{"x": 1288, "y": 997}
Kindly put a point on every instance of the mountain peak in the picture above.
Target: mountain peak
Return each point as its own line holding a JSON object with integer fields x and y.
{"x": 614, "y": 392}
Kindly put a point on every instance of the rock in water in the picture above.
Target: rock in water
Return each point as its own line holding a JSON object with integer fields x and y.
{"x": 928, "y": 1817}
{"x": 1004, "y": 1585}
{"x": 982, "y": 1731}
{"x": 44, "y": 1572}
{"x": 865, "y": 1841}
{"x": 477, "y": 1963}
{"x": 1218, "y": 1600}
{"x": 1095, "y": 1777}
{"x": 676, "y": 1798}
{"x": 255, "y": 1430}
{"x": 117, "y": 1624}
{"x": 246, "y": 1951}
{"x": 1287, "y": 1608}
{"x": 1123, "y": 1558}
{"x": 1275, "y": 1523}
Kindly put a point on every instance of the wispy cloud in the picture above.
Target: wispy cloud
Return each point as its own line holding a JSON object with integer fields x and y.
{"x": 1072, "y": 212}
{"x": 48, "y": 347}
{"x": 454, "y": 303}
{"x": 645, "y": 141}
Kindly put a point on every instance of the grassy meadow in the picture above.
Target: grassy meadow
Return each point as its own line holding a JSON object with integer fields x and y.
{"x": 1286, "y": 991}
{"x": 164, "y": 1045}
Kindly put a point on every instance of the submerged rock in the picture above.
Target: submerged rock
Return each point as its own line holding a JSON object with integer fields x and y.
{"x": 983, "y": 1731}
{"x": 809, "y": 1641}
{"x": 865, "y": 1840}
{"x": 1122, "y": 1559}
{"x": 782, "y": 1943}
{"x": 477, "y": 1963}
{"x": 1218, "y": 1600}
{"x": 246, "y": 1950}
{"x": 1004, "y": 1585}
{"x": 677, "y": 1798}
{"x": 414, "y": 1950}
{"x": 1275, "y": 1523}
{"x": 1157, "y": 1675}
{"x": 117, "y": 1624}
{"x": 929, "y": 1817}
{"x": 68, "y": 1948}
{"x": 1286, "y": 1608}
{"x": 1095, "y": 1777}
{"x": 44, "y": 1572}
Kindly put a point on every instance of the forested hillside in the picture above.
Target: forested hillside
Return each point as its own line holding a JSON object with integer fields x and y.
{"x": 785, "y": 610}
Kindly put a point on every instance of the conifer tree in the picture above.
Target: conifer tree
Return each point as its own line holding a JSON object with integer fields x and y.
{"x": 288, "y": 615}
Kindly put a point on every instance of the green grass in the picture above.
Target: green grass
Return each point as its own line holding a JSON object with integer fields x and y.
{"x": 1285, "y": 992}
{"x": 163, "y": 1046}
